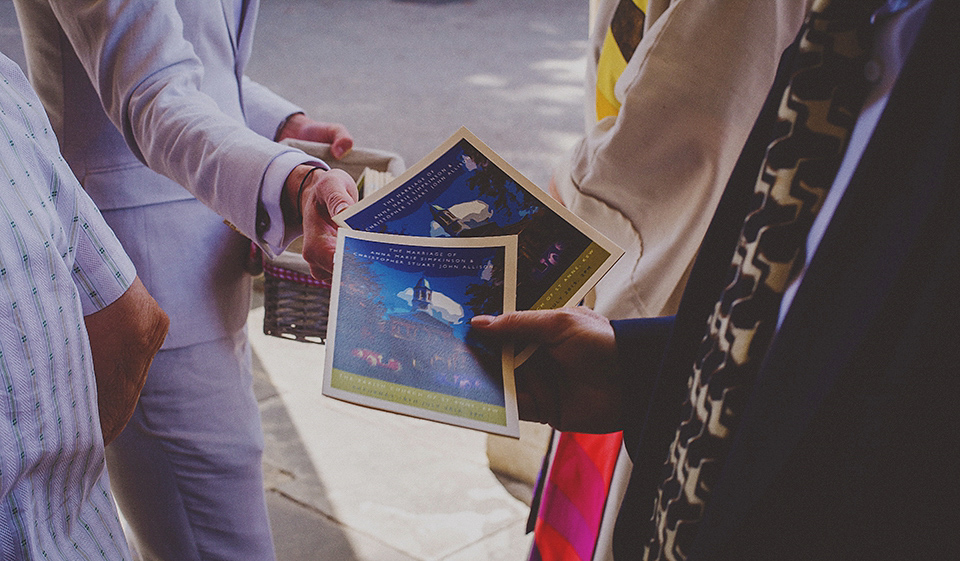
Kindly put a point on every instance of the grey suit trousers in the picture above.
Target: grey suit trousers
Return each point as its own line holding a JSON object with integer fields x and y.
{"x": 193, "y": 451}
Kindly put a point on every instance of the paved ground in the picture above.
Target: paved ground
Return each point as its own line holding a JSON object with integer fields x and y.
{"x": 349, "y": 483}
{"x": 346, "y": 483}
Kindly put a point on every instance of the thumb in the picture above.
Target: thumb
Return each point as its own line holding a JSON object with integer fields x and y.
{"x": 341, "y": 146}
{"x": 337, "y": 190}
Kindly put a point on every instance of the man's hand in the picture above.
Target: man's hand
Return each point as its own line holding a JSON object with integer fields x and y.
{"x": 573, "y": 381}
{"x": 323, "y": 195}
{"x": 312, "y": 202}
{"x": 301, "y": 127}
{"x": 124, "y": 337}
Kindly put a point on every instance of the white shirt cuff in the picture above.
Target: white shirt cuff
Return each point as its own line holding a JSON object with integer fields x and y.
{"x": 277, "y": 237}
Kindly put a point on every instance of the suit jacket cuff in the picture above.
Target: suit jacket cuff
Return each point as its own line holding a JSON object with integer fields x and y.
{"x": 640, "y": 347}
{"x": 272, "y": 233}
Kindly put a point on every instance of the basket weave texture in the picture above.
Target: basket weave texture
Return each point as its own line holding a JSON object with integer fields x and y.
{"x": 296, "y": 305}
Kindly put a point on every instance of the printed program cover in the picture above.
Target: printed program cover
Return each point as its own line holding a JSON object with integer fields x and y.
{"x": 463, "y": 190}
{"x": 399, "y": 335}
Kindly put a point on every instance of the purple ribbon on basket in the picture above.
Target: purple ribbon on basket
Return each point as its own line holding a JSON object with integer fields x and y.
{"x": 293, "y": 276}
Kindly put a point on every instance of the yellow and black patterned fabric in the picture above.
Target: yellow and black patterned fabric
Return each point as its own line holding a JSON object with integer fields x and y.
{"x": 623, "y": 36}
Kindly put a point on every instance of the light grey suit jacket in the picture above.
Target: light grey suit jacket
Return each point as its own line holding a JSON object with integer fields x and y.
{"x": 153, "y": 113}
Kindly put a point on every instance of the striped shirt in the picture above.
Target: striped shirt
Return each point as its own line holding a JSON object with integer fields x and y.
{"x": 58, "y": 261}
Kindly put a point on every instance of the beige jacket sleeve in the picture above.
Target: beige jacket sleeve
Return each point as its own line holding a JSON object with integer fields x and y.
{"x": 651, "y": 177}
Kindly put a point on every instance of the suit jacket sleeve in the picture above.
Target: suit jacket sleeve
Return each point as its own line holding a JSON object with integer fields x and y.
{"x": 640, "y": 347}
{"x": 264, "y": 109}
{"x": 149, "y": 80}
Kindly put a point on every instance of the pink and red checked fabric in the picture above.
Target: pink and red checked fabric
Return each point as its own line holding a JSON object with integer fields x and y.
{"x": 574, "y": 496}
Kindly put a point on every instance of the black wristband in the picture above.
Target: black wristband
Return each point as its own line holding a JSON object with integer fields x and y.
{"x": 303, "y": 183}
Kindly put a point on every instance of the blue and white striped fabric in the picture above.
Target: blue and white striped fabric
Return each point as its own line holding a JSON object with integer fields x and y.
{"x": 58, "y": 261}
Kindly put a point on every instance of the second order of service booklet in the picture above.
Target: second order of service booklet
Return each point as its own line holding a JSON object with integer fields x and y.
{"x": 461, "y": 233}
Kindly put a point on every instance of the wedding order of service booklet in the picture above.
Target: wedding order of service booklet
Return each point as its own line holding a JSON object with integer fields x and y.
{"x": 460, "y": 234}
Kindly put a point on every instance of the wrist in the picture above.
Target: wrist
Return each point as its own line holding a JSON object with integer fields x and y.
{"x": 289, "y": 126}
{"x": 294, "y": 190}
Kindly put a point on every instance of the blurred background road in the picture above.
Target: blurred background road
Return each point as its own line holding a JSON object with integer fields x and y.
{"x": 404, "y": 76}
{"x": 347, "y": 483}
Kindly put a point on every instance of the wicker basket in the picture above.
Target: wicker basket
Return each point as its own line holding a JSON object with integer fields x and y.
{"x": 295, "y": 304}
